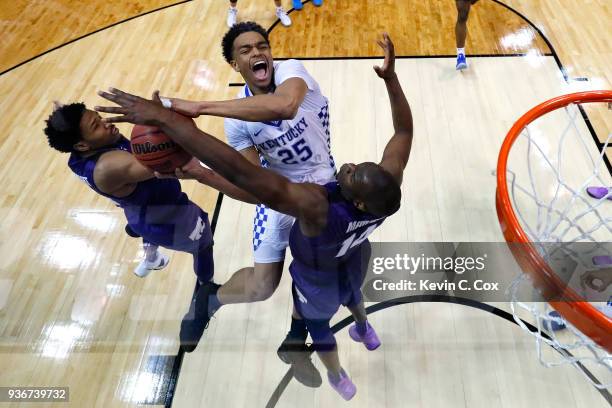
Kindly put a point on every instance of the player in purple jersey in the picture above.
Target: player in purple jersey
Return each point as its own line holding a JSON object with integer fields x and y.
{"x": 279, "y": 120}
{"x": 329, "y": 239}
{"x": 156, "y": 210}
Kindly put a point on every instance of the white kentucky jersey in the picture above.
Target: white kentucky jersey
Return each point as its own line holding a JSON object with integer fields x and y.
{"x": 298, "y": 148}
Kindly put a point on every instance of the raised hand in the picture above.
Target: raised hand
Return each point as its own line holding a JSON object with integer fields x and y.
{"x": 132, "y": 108}
{"x": 388, "y": 69}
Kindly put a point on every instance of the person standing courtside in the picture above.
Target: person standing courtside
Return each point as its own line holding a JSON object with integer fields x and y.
{"x": 297, "y": 4}
{"x": 232, "y": 13}
{"x": 463, "y": 11}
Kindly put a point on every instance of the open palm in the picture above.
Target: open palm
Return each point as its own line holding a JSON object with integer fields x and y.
{"x": 388, "y": 68}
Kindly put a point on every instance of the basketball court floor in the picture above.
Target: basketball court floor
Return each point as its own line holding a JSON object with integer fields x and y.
{"x": 73, "y": 315}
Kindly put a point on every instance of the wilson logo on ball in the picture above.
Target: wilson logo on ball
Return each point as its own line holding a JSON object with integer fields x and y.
{"x": 148, "y": 147}
{"x": 156, "y": 150}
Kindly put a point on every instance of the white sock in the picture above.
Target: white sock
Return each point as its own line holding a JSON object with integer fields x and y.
{"x": 279, "y": 9}
{"x": 233, "y": 7}
{"x": 460, "y": 51}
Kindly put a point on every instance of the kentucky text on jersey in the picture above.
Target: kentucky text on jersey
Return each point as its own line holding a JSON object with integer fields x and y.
{"x": 298, "y": 148}
{"x": 285, "y": 138}
{"x": 356, "y": 224}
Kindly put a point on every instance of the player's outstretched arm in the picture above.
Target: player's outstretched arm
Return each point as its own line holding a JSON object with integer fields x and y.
{"x": 267, "y": 187}
{"x": 307, "y": 202}
{"x": 193, "y": 170}
{"x": 117, "y": 173}
{"x": 397, "y": 151}
{"x": 281, "y": 105}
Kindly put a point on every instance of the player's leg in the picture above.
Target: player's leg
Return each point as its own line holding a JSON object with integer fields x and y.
{"x": 354, "y": 273}
{"x": 317, "y": 304}
{"x": 251, "y": 284}
{"x": 204, "y": 264}
{"x": 293, "y": 350}
{"x": 325, "y": 345}
{"x": 196, "y": 320}
{"x": 232, "y": 13}
{"x": 463, "y": 11}
{"x": 271, "y": 231}
{"x": 245, "y": 286}
{"x": 362, "y": 331}
{"x": 153, "y": 260}
{"x": 186, "y": 228}
{"x": 282, "y": 14}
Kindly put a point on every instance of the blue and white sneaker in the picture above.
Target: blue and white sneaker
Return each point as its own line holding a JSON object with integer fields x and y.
{"x": 554, "y": 322}
{"x": 461, "y": 62}
{"x": 297, "y": 4}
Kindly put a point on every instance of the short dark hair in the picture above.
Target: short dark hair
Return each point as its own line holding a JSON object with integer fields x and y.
{"x": 63, "y": 127}
{"x": 228, "y": 39}
{"x": 384, "y": 195}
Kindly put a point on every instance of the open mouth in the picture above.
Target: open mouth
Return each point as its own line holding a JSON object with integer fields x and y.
{"x": 114, "y": 130}
{"x": 260, "y": 69}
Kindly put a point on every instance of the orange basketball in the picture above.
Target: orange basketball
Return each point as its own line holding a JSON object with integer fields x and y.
{"x": 157, "y": 151}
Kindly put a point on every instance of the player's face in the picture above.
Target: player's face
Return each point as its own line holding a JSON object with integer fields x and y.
{"x": 356, "y": 183}
{"x": 95, "y": 133}
{"x": 350, "y": 178}
{"x": 253, "y": 59}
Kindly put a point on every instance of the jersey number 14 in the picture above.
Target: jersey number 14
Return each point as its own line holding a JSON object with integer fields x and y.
{"x": 351, "y": 242}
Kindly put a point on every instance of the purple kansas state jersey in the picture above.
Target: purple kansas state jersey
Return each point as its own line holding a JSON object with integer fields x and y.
{"x": 328, "y": 269}
{"x": 157, "y": 209}
{"x": 347, "y": 228}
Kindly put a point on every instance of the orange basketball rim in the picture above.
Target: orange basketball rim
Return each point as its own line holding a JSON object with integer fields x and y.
{"x": 575, "y": 309}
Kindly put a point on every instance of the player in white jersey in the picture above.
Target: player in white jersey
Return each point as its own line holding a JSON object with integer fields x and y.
{"x": 281, "y": 120}
{"x": 298, "y": 148}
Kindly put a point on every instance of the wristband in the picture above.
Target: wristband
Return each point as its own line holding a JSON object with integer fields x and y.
{"x": 166, "y": 102}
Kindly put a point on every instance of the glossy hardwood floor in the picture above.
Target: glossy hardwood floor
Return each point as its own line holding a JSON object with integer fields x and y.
{"x": 71, "y": 312}
{"x": 433, "y": 355}
{"x": 420, "y": 28}
{"x": 30, "y": 28}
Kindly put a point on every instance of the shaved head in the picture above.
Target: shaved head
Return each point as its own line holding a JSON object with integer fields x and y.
{"x": 370, "y": 187}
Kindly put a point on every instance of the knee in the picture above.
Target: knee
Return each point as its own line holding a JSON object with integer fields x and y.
{"x": 262, "y": 290}
{"x": 260, "y": 293}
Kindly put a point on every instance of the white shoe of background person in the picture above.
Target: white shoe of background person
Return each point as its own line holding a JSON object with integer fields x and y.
{"x": 283, "y": 17}
{"x": 232, "y": 15}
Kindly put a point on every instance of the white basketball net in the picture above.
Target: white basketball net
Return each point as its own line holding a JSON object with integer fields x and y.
{"x": 548, "y": 193}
